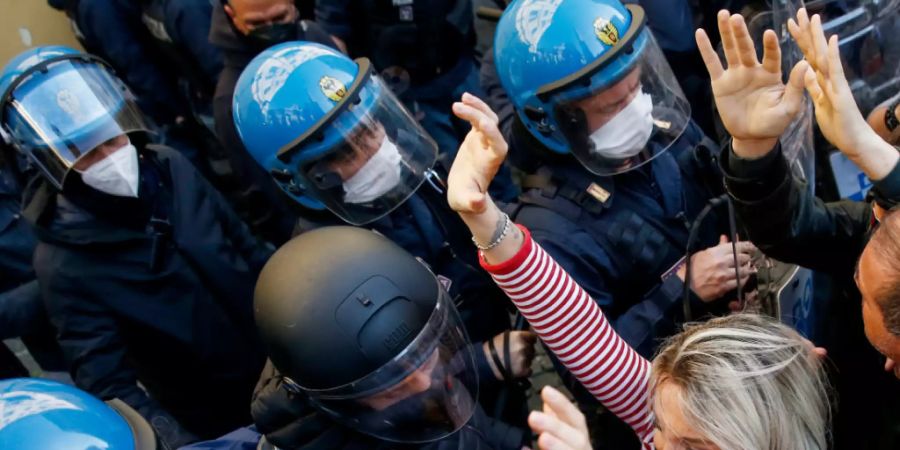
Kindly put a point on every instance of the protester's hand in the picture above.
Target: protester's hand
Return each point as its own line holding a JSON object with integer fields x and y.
{"x": 561, "y": 426}
{"x": 839, "y": 118}
{"x": 521, "y": 353}
{"x": 712, "y": 270}
{"x": 755, "y": 105}
{"x": 836, "y": 112}
{"x": 891, "y": 366}
{"x": 480, "y": 156}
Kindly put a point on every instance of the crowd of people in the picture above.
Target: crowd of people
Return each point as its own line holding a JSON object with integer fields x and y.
{"x": 261, "y": 224}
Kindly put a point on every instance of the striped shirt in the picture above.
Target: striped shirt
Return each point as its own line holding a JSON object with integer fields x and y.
{"x": 572, "y": 325}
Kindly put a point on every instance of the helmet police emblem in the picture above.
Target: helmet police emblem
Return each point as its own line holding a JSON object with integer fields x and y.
{"x": 68, "y": 102}
{"x": 606, "y": 31}
{"x": 333, "y": 88}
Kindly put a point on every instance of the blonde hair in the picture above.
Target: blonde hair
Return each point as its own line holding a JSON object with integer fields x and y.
{"x": 748, "y": 383}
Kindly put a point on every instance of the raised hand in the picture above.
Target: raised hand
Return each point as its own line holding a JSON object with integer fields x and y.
{"x": 755, "y": 105}
{"x": 480, "y": 156}
{"x": 561, "y": 426}
{"x": 837, "y": 114}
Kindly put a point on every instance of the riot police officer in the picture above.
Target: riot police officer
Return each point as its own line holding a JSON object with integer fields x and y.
{"x": 368, "y": 340}
{"x": 335, "y": 138}
{"x": 146, "y": 272}
{"x": 242, "y": 29}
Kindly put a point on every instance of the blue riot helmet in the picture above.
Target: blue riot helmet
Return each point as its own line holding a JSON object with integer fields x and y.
{"x": 330, "y": 131}
{"x": 586, "y": 77}
{"x": 58, "y": 104}
{"x": 41, "y": 414}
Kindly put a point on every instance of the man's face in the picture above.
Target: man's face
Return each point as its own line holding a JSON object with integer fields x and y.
{"x": 869, "y": 279}
{"x": 602, "y": 107}
{"x": 364, "y": 143}
{"x": 100, "y": 152}
{"x": 416, "y": 383}
{"x": 250, "y": 14}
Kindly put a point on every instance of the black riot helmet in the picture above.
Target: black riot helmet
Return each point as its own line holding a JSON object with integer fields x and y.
{"x": 368, "y": 334}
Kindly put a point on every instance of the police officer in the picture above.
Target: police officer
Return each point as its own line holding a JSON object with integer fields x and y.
{"x": 618, "y": 171}
{"x": 369, "y": 341}
{"x": 242, "y": 29}
{"x": 42, "y": 414}
{"x": 22, "y": 313}
{"x": 145, "y": 270}
{"x": 112, "y": 29}
{"x": 425, "y": 52}
{"x": 335, "y": 138}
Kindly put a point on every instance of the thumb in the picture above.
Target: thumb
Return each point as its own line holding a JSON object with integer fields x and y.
{"x": 793, "y": 92}
{"x": 723, "y": 239}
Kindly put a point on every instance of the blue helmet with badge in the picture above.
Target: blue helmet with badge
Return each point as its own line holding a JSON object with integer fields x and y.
{"x": 330, "y": 132}
{"x": 58, "y": 104}
{"x": 587, "y": 77}
{"x": 41, "y": 414}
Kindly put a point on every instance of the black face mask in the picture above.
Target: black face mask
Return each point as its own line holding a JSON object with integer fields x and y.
{"x": 275, "y": 33}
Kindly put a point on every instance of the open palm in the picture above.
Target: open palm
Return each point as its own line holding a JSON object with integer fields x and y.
{"x": 752, "y": 100}
{"x": 480, "y": 156}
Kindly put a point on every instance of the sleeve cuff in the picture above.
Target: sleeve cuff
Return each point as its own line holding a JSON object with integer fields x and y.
{"x": 513, "y": 263}
{"x": 753, "y": 168}
{"x": 887, "y": 190}
{"x": 753, "y": 180}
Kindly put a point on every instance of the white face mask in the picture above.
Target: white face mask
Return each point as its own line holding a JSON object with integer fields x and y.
{"x": 376, "y": 177}
{"x": 628, "y": 132}
{"x": 117, "y": 174}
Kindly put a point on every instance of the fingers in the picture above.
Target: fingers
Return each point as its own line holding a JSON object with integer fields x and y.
{"x": 480, "y": 105}
{"x": 561, "y": 426}
{"x": 729, "y": 46}
{"x": 800, "y": 30}
{"x": 491, "y": 136}
{"x": 746, "y": 247}
{"x": 793, "y": 91}
{"x": 746, "y": 49}
{"x": 564, "y": 409}
{"x": 835, "y": 68}
{"x": 812, "y": 86}
{"x": 709, "y": 55}
{"x": 723, "y": 239}
{"x": 529, "y": 337}
{"x": 817, "y": 34}
{"x": 771, "y": 53}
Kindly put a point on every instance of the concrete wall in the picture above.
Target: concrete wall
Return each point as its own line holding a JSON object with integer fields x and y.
{"x": 30, "y": 23}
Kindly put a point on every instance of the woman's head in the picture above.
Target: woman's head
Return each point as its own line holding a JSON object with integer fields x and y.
{"x": 739, "y": 382}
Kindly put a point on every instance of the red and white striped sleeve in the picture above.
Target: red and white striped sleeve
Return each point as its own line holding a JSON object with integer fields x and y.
{"x": 575, "y": 329}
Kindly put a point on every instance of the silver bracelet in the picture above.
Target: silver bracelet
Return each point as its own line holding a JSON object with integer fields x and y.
{"x": 507, "y": 225}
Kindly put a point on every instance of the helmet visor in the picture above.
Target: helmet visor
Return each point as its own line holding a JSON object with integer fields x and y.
{"x": 631, "y": 120}
{"x": 381, "y": 160}
{"x": 59, "y": 114}
{"x": 426, "y": 393}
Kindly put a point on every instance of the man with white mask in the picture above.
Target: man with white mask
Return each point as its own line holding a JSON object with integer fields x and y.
{"x": 617, "y": 170}
{"x": 335, "y": 138}
{"x": 146, "y": 272}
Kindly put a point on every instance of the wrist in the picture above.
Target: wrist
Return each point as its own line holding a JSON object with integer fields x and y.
{"x": 752, "y": 148}
{"x": 875, "y": 157}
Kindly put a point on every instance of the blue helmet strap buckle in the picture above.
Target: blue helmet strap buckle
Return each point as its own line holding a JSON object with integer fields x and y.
{"x": 638, "y": 19}
{"x": 352, "y": 98}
